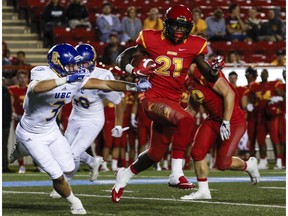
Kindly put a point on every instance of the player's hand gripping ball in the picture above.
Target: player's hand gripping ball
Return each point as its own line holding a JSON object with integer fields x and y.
{"x": 143, "y": 66}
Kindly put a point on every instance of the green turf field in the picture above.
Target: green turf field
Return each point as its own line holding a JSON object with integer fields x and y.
{"x": 235, "y": 197}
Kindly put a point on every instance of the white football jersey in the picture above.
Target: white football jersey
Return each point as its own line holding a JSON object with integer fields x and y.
{"x": 42, "y": 109}
{"x": 87, "y": 103}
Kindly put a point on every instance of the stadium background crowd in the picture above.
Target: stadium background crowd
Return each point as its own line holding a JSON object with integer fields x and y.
{"x": 247, "y": 33}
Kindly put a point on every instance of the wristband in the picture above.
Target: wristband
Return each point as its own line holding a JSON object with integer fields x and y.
{"x": 61, "y": 81}
{"x": 129, "y": 68}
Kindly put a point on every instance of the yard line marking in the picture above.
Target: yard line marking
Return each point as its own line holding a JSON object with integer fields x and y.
{"x": 157, "y": 199}
{"x": 140, "y": 181}
{"x": 280, "y": 188}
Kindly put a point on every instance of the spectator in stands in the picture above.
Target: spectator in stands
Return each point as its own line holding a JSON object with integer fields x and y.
{"x": 20, "y": 59}
{"x": 112, "y": 50}
{"x": 280, "y": 59}
{"x": 216, "y": 29}
{"x": 107, "y": 23}
{"x": 253, "y": 24}
{"x": 200, "y": 26}
{"x": 153, "y": 21}
{"x": 235, "y": 27}
{"x": 6, "y": 123}
{"x": 272, "y": 30}
{"x": 131, "y": 25}
{"x": 77, "y": 14}
{"x": 53, "y": 15}
{"x": 233, "y": 59}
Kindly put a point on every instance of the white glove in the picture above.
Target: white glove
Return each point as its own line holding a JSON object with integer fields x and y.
{"x": 250, "y": 107}
{"x": 275, "y": 99}
{"x": 134, "y": 122}
{"x": 118, "y": 130}
{"x": 225, "y": 130}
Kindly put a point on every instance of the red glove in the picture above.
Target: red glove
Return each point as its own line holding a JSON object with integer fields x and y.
{"x": 217, "y": 63}
{"x": 142, "y": 66}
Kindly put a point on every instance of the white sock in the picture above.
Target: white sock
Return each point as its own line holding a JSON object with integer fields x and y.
{"x": 176, "y": 166}
{"x": 71, "y": 198}
{"x": 129, "y": 173}
{"x": 165, "y": 164}
{"x": 114, "y": 164}
{"x": 87, "y": 159}
{"x": 104, "y": 165}
{"x": 203, "y": 186}
{"x": 279, "y": 162}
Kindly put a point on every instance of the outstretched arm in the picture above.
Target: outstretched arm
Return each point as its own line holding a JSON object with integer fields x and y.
{"x": 209, "y": 73}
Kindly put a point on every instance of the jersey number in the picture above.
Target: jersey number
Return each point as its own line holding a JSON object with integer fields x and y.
{"x": 166, "y": 64}
{"x": 58, "y": 105}
{"x": 84, "y": 102}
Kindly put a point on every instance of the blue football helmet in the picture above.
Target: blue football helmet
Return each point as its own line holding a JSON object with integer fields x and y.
{"x": 89, "y": 55}
{"x": 64, "y": 59}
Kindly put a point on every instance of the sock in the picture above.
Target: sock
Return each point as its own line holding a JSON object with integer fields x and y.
{"x": 104, "y": 165}
{"x": 165, "y": 164}
{"x": 87, "y": 159}
{"x": 176, "y": 167}
{"x": 114, "y": 164}
{"x": 71, "y": 198}
{"x": 203, "y": 184}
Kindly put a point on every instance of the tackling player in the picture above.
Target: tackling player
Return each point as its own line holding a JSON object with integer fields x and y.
{"x": 223, "y": 127}
{"x": 173, "y": 50}
{"x": 38, "y": 134}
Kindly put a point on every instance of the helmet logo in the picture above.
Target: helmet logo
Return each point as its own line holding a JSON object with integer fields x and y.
{"x": 55, "y": 59}
{"x": 181, "y": 18}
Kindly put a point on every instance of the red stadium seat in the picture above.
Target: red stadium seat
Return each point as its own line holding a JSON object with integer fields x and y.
{"x": 99, "y": 48}
{"x": 84, "y": 34}
{"x": 61, "y": 34}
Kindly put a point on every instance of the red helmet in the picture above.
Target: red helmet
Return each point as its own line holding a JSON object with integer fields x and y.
{"x": 178, "y": 23}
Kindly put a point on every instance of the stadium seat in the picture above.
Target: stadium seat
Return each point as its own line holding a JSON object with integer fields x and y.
{"x": 61, "y": 34}
{"x": 84, "y": 34}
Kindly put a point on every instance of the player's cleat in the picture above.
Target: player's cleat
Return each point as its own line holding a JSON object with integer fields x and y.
{"x": 18, "y": 151}
{"x": 263, "y": 164}
{"x": 197, "y": 195}
{"x": 54, "y": 194}
{"x": 252, "y": 170}
{"x": 104, "y": 169}
{"x": 94, "y": 170}
{"x": 180, "y": 182}
{"x": 77, "y": 208}
{"x": 121, "y": 182}
{"x": 22, "y": 169}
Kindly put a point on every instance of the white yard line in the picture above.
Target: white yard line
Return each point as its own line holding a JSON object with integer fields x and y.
{"x": 157, "y": 199}
{"x": 277, "y": 188}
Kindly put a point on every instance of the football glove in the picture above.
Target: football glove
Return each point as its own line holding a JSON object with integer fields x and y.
{"x": 134, "y": 122}
{"x": 145, "y": 67}
{"x": 117, "y": 131}
{"x": 225, "y": 130}
{"x": 77, "y": 77}
{"x": 275, "y": 99}
{"x": 250, "y": 107}
{"x": 217, "y": 63}
{"x": 143, "y": 85}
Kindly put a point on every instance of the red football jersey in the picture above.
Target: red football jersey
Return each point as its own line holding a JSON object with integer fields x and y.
{"x": 19, "y": 95}
{"x": 201, "y": 91}
{"x": 240, "y": 90}
{"x": 174, "y": 61}
{"x": 264, "y": 91}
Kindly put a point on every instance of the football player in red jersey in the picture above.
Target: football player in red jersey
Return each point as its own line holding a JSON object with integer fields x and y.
{"x": 18, "y": 93}
{"x": 269, "y": 96}
{"x": 223, "y": 127}
{"x": 173, "y": 50}
{"x": 249, "y": 103}
{"x": 282, "y": 121}
{"x": 243, "y": 147}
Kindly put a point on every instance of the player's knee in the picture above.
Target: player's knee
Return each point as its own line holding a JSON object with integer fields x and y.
{"x": 196, "y": 155}
{"x": 69, "y": 168}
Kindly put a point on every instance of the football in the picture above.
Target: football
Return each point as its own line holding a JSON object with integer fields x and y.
{"x": 142, "y": 61}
